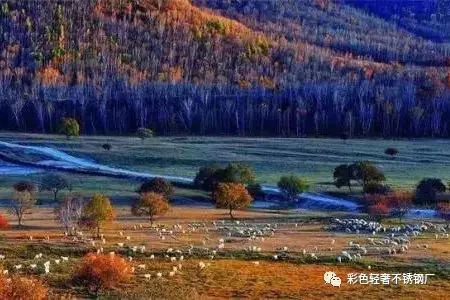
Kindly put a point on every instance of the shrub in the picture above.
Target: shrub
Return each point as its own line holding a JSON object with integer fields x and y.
{"x": 102, "y": 271}
{"x": 4, "y": 224}
{"x": 144, "y": 133}
{"x": 20, "y": 287}
{"x": 156, "y": 185}
{"x": 107, "y": 146}
{"x": 392, "y": 152}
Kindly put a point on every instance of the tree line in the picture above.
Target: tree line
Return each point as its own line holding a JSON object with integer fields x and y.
{"x": 363, "y": 109}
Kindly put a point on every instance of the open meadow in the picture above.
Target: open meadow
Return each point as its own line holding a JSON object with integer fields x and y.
{"x": 314, "y": 159}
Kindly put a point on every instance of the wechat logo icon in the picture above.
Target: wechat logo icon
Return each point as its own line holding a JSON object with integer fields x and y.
{"x": 332, "y": 278}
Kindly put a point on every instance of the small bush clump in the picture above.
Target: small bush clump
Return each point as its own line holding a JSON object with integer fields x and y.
{"x": 20, "y": 287}
{"x": 4, "y": 224}
{"x": 102, "y": 271}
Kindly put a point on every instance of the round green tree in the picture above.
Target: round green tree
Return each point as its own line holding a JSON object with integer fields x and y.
{"x": 292, "y": 185}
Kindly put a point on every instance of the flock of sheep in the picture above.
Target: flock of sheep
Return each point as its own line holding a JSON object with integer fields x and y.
{"x": 374, "y": 239}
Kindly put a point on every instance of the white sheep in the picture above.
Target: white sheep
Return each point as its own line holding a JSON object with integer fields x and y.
{"x": 201, "y": 265}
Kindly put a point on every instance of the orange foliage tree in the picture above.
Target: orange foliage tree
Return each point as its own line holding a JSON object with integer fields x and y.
{"x": 397, "y": 203}
{"x": 20, "y": 287}
{"x": 232, "y": 196}
{"x": 150, "y": 204}
{"x": 97, "y": 212}
{"x": 444, "y": 210}
{"x": 378, "y": 206}
{"x": 102, "y": 271}
{"x": 4, "y": 224}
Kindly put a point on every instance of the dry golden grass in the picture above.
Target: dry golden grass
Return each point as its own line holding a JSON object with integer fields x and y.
{"x": 225, "y": 277}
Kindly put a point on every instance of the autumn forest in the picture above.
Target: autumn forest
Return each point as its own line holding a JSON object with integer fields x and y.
{"x": 288, "y": 68}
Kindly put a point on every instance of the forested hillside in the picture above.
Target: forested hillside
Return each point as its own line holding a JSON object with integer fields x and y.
{"x": 234, "y": 67}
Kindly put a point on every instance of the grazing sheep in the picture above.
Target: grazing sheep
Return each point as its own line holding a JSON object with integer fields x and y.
{"x": 256, "y": 263}
{"x": 152, "y": 256}
{"x": 33, "y": 266}
{"x": 57, "y": 261}
{"x": 147, "y": 276}
{"x": 339, "y": 259}
{"x": 65, "y": 258}
{"x": 201, "y": 265}
{"x": 173, "y": 258}
{"x": 2, "y": 257}
{"x": 143, "y": 266}
{"x": 159, "y": 274}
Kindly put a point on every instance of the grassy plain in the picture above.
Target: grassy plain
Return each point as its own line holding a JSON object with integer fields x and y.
{"x": 314, "y": 159}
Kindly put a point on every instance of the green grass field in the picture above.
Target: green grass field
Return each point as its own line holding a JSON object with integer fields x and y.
{"x": 314, "y": 159}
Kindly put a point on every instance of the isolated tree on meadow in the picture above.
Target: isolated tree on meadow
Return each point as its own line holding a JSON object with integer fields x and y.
{"x": 255, "y": 190}
{"x": 70, "y": 127}
{"x": 444, "y": 210}
{"x": 237, "y": 173}
{"x": 156, "y": 185}
{"x": 205, "y": 177}
{"x": 366, "y": 172}
{"x": 23, "y": 199}
{"x": 427, "y": 190}
{"x": 210, "y": 176}
{"x": 150, "y": 204}
{"x": 343, "y": 176}
{"x": 232, "y": 196}
{"x": 392, "y": 152}
{"x": 70, "y": 211}
{"x": 55, "y": 183}
{"x": 144, "y": 133}
{"x": 379, "y": 211}
{"x": 400, "y": 203}
{"x": 292, "y": 185}
{"x": 97, "y": 212}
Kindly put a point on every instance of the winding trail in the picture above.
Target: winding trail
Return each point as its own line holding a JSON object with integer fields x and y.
{"x": 47, "y": 158}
